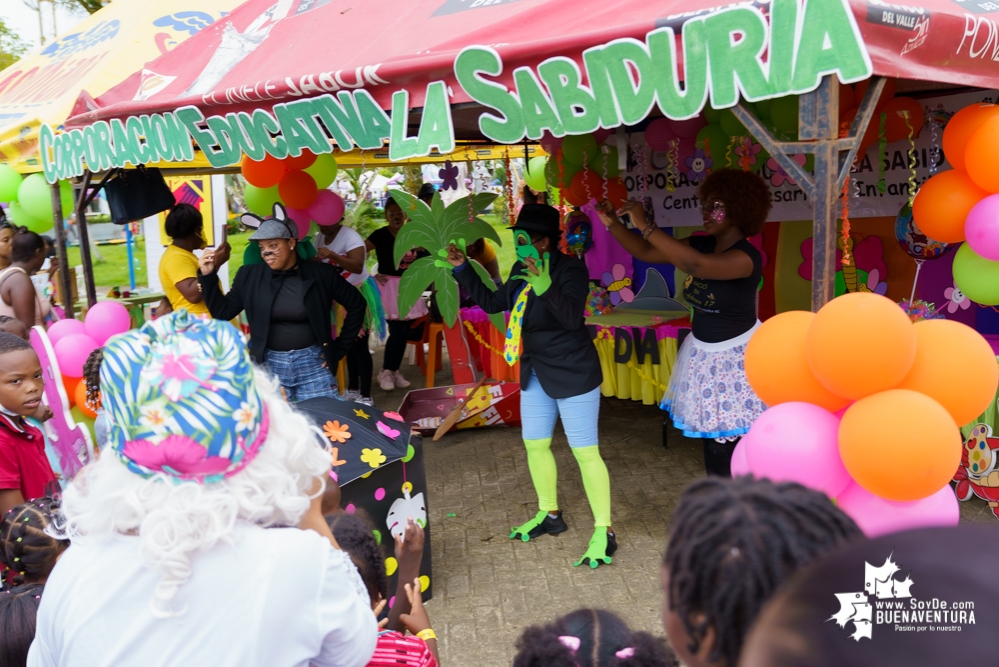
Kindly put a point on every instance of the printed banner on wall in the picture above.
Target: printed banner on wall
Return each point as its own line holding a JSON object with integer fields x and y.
{"x": 680, "y": 207}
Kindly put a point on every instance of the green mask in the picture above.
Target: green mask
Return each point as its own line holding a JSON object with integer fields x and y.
{"x": 525, "y": 248}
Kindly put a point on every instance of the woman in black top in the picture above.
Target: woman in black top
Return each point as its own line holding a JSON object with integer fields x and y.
{"x": 560, "y": 372}
{"x": 708, "y": 395}
{"x": 288, "y": 303}
{"x": 400, "y": 325}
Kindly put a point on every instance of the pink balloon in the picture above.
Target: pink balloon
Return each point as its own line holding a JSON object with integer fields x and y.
{"x": 106, "y": 319}
{"x": 549, "y": 143}
{"x": 798, "y": 442}
{"x": 739, "y": 465}
{"x": 327, "y": 209}
{"x": 658, "y": 134}
{"x": 981, "y": 228}
{"x": 687, "y": 129}
{"x": 601, "y": 135}
{"x": 877, "y": 516}
{"x": 71, "y": 353}
{"x": 63, "y": 328}
{"x": 301, "y": 219}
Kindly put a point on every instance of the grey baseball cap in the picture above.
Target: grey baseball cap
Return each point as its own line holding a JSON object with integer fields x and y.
{"x": 279, "y": 226}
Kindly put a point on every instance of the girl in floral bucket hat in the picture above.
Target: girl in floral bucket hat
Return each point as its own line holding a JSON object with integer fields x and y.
{"x": 171, "y": 563}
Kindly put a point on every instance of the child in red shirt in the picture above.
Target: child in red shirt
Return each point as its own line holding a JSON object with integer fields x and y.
{"x": 25, "y": 472}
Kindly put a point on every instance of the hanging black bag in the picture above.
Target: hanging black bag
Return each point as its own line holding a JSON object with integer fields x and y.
{"x": 134, "y": 194}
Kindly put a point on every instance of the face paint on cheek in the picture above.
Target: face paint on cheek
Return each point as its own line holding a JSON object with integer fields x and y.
{"x": 524, "y": 247}
{"x": 718, "y": 215}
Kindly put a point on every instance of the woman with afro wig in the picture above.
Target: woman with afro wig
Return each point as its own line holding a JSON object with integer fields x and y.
{"x": 708, "y": 396}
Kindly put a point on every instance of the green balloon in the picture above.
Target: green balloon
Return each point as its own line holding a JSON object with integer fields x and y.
{"x": 535, "y": 175}
{"x": 323, "y": 170}
{"x": 712, "y": 115}
{"x": 261, "y": 201}
{"x": 17, "y": 215}
{"x": 784, "y": 114}
{"x": 606, "y": 163}
{"x": 579, "y": 148}
{"x": 35, "y": 195}
{"x": 731, "y": 125}
{"x": 714, "y": 142}
{"x": 568, "y": 171}
{"x": 763, "y": 109}
{"x": 252, "y": 254}
{"x": 10, "y": 180}
{"x": 305, "y": 249}
{"x": 976, "y": 276}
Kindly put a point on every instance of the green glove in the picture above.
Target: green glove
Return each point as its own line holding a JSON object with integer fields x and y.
{"x": 541, "y": 282}
{"x": 442, "y": 253}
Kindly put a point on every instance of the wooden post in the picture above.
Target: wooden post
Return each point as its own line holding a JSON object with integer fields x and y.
{"x": 65, "y": 284}
{"x": 81, "y": 224}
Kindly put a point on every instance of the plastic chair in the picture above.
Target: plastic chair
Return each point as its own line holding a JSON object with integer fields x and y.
{"x": 434, "y": 334}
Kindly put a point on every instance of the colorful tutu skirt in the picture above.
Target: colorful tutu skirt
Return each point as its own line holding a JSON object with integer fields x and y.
{"x": 374, "y": 318}
{"x": 708, "y": 394}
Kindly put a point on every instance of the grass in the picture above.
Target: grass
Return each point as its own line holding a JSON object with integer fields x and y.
{"x": 113, "y": 269}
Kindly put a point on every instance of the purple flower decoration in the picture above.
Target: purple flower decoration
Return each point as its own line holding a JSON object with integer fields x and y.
{"x": 449, "y": 174}
{"x": 698, "y": 165}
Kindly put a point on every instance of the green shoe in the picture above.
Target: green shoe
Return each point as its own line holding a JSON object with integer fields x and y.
{"x": 541, "y": 524}
{"x": 602, "y": 546}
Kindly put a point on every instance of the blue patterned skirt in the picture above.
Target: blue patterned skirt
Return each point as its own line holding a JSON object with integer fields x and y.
{"x": 708, "y": 395}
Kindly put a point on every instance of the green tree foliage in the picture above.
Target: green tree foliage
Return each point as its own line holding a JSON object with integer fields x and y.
{"x": 11, "y": 46}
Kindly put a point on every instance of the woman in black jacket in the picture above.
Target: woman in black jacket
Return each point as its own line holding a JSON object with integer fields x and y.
{"x": 559, "y": 368}
{"x": 288, "y": 304}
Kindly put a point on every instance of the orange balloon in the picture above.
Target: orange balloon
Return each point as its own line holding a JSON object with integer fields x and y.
{"x": 303, "y": 161}
{"x": 263, "y": 174}
{"x": 587, "y": 185}
{"x": 943, "y": 202}
{"x": 297, "y": 190}
{"x": 617, "y": 192}
{"x": 961, "y": 126}
{"x": 954, "y": 366}
{"x": 896, "y": 111}
{"x": 777, "y": 365}
{"x": 859, "y": 344}
{"x": 900, "y": 444}
{"x": 980, "y": 159}
{"x": 571, "y": 198}
{"x": 70, "y": 385}
{"x": 887, "y": 93}
{"x": 80, "y": 397}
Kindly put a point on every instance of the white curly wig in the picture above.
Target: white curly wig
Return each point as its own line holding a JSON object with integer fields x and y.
{"x": 175, "y": 519}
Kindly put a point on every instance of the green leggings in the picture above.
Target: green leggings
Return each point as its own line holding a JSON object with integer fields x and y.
{"x": 596, "y": 480}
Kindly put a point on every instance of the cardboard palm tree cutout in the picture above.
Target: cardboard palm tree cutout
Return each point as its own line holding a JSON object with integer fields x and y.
{"x": 433, "y": 228}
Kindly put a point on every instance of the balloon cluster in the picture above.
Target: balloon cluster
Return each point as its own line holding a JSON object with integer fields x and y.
{"x": 963, "y": 204}
{"x": 902, "y": 115}
{"x": 29, "y": 199}
{"x": 297, "y": 182}
{"x": 73, "y": 341}
{"x": 865, "y": 407}
{"x": 582, "y": 168}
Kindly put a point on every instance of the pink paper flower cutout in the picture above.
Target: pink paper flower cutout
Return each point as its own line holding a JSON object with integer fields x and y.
{"x": 957, "y": 299}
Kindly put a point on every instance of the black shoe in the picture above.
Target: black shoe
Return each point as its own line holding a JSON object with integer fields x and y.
{"x": 550, "y": 526}
{"x": 611, "y": 544}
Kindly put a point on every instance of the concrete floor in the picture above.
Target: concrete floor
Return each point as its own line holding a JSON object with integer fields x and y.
{"x": 489, "y": 587}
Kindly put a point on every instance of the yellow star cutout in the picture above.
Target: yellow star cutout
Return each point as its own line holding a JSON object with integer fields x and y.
{"x": 361, "y": 413}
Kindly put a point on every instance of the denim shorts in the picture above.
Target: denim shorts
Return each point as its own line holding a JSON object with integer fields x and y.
{"x": 301, "y": 373}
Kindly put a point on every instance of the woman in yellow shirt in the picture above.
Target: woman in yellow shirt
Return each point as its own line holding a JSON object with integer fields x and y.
{"x": 179, "y": 265}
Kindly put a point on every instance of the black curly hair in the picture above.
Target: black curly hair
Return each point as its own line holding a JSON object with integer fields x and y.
{"x": 18, "y": 614}
{"x": 745, "y": 194}
{"x": 182, "y": 221}
{"x": 732, "y": 542}
{"x": 92, "y": 378}
{"x": 356, "y": 538}
{"x": 601, "y": 635}
{"x": 27, "y": 545}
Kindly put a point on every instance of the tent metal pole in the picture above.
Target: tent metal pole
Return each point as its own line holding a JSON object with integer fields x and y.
{"x": 818, "y": 131}
{"x": 81, "y": 224}
{"x": 65, "y": 285}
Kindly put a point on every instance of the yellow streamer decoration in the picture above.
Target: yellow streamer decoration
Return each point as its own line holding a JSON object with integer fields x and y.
{"x": 912, "y": 159}
{"x": 480, "y": 340}
{"x": 728, "y": 151}
{"x": 672, "y": 159}
{"x": 645, "y": 376}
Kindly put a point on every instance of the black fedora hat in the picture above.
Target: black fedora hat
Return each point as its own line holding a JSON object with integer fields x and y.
{"x": 540, "y": 219}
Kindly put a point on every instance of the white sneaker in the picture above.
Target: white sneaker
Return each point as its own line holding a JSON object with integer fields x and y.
{"x": 350, "y": 395}
{"x": 366, "y": 401}
{"x": 400, "y": 381}
{"x": 386, "y": 380}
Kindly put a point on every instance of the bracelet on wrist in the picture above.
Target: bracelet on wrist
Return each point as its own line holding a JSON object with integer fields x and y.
{"x": 427, "y": 634}
{"x": 648, "y": 231}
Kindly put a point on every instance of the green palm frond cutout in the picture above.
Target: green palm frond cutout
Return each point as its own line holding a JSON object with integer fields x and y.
{"x": 433, "y": 228}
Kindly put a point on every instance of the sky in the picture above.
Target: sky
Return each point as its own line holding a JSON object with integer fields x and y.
{"x": 24, "y": 21}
